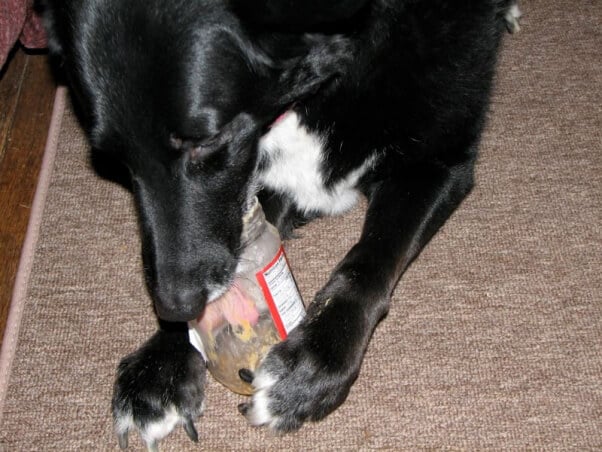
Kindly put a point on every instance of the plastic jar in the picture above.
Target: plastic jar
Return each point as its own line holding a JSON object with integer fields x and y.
{"x": 263, "y": 305}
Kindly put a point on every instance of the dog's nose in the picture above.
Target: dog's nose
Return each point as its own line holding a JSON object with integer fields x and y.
{"x": 181, "y": 291}
{"x": 185, "y": 305}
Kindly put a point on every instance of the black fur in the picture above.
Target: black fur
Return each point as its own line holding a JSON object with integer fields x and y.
{"x": 165, "y": 373}
{"x": 181, "y": 91}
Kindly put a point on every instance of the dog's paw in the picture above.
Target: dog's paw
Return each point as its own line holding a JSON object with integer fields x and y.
{"x": 159, "y": 387}
{"x": 512, "y": 18}
{"x": 308, "y": 375}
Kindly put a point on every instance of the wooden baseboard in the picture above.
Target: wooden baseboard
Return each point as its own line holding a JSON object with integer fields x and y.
{"x": 27, "y": 91}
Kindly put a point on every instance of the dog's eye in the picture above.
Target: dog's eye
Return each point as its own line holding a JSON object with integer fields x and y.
{"x": 195, "y": 149}
{"x": 201, "y": 151}
{"x": 205, "y": 160}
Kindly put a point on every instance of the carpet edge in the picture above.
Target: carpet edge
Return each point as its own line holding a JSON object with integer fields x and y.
{"x": 11, "y": 332}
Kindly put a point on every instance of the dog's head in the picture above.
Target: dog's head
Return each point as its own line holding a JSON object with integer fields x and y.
{"x": 179, "y": 92}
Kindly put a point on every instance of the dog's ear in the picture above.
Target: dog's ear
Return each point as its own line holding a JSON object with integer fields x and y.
{"x": 299, "y": 78}
{"x": 297, "y": 14}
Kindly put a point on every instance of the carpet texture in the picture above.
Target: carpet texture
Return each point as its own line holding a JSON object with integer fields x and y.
{"x": 494, "y": 338}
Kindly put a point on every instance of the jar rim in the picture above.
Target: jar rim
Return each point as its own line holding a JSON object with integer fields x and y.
{"x": 251, "y": 211}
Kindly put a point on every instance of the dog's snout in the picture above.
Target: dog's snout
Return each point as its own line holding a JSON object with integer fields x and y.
{"x": 182, "y": 295}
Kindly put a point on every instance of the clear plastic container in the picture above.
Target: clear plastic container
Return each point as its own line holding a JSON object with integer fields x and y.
{"x": 260, "y": 309}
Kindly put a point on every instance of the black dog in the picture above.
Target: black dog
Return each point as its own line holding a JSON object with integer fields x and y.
{"x": 385, "y": 98}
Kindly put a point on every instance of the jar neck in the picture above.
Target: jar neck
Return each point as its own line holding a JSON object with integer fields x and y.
{"x": 254, "y": 223}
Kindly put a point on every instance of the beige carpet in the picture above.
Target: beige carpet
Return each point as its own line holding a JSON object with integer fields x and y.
{"x": 494, "y": 339}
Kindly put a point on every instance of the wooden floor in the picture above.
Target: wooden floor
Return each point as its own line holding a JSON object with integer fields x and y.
{"x": 26, "y": 98}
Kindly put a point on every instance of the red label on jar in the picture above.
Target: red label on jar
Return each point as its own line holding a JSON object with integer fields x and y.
{"x": 281, "y": 294}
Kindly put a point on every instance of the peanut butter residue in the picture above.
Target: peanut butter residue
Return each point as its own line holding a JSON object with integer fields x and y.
{"x": 235, "y": 336}
{"x": 231, "y": 352}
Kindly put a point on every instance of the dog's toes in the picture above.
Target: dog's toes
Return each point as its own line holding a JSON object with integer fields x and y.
{"x": 309, "y": 374}
{"x": 159, "y": 387}
{"x": 153, "y": 425}
{"x": 512, "y": 19}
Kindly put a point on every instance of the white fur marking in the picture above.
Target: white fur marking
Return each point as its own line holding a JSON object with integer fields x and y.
{"x": 514, "y": 12}
{"x": 295, "y": 168}
{"x": 512, "y": 18}
{"x": 259, "y": 412}
{"x": 156, "y": 431}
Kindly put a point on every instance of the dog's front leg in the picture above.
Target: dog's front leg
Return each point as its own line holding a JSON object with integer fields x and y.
{"x": 310, "y": 374}
{"x": 158, "y": 387}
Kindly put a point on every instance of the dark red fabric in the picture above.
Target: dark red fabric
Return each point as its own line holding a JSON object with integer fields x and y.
{"x": 18, "y": 22}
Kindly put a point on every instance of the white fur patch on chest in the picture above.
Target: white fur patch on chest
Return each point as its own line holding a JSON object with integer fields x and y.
{"x": 295, "y": 159}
